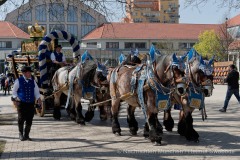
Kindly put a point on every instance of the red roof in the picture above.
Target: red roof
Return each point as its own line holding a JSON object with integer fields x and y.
{"x": 149, "y": 31}
{"x": 8, "y": 30}
{"x": 235, "y": 21}
{"x": 235, "y": 45}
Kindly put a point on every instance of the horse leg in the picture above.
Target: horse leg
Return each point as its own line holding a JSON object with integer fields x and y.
{"x": 90, "y": 113}
{"x": 168, "y": 120}
{"x": 56, "y": 109}
{"x": 115, "y": 110}
{"x": 132, "y": 123}
{"x": 190, "y": 133}
{"x": 103, "y": 113}
{"x": 185, "y": 126}
{"x": 154, "y": 134}
{"x": 152, "y": 113}
{"x": 78, "y": 109}
{"x": 181, "y": 124}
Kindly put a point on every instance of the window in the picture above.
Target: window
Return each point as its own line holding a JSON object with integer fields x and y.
{"x": 92, "y": 44}
{"x": 185, "y": 45}
{"x": 112, "y": 45}
{"x": 140, "y": 45}
{"x": 56, "y": 12}
{"x": 40, "y": 13}
{"x": 163, "y": 45}
{"x": 72, "y": 14}
{"x": 25, "y": 16}
{"x": 7, "y": 44}
{"x": 86, "y": 29}
{"x": 73, "y": 29}
{"x": 53, "y": 27}
{"x": 85, "y": 17}
{"x": 23, "y": 26}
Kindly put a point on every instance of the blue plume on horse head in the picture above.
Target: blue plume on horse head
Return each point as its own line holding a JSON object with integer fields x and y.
{"x": 152, "y": 54}
{"x": 102, "y": 68}
{"x": 86, "y": 56}
{"x": 202, "y": 61}
{"x": 183, "y": 56}
{"x": 122, "y": 58}
{"x": 211, "y": 60}
{"x": 174, "y": 58}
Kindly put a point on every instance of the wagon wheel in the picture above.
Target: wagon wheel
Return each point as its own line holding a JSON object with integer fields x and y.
{"x": 41, "y": 112}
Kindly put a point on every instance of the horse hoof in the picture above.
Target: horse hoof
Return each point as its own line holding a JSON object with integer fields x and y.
{"x": 103, "y": 117}
{"x": 157, "y": 143}
{"x": 134, "y": 133}
{"x": 117, "y": 133}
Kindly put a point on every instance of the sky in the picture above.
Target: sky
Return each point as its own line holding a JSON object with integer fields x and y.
{"x": 207, "y": 13}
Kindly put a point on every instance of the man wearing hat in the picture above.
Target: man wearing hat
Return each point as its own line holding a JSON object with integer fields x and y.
{"x": 25, "y": 92}
{"x": 57, "y": 56}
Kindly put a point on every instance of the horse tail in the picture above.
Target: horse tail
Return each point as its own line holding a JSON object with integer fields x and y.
{"x": 55, "y": 80}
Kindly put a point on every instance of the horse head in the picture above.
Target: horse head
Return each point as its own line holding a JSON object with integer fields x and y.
{"x": 201, "y": 72}
{"x": 100, "y": 77}
{"x": 87, "y": 67}
{"x": 170, "y": 70}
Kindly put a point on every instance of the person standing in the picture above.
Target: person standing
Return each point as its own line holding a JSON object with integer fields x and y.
{"x": 25, "y": 92}
{"x": 233, "y": 86}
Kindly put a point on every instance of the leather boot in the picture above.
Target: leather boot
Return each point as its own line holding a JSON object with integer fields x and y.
{"x": 20, "y": 128}
{"x": 26, "y": 133}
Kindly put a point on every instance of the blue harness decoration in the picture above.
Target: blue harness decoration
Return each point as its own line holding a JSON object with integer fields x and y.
{"x": 195, "y": 99}
{"x": 88, "y": 92}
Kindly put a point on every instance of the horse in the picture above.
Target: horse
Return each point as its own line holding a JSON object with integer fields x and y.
{"x": 148, "y": 75}
{"x": 200, "y": 85}
{"x": 85, "y": 86}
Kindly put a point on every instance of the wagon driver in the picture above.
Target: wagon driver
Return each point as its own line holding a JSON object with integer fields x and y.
{"x": 25, "y": 92}
{"x": 58, "y": 58}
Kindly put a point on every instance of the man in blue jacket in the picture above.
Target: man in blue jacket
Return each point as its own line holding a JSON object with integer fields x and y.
{"x": 233, "y": 86}
{"x": 25, "y": 92}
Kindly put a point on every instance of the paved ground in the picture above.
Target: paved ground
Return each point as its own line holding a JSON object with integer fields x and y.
{"x": 219, "y": 136}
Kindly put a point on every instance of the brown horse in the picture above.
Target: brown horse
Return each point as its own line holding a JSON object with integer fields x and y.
{"x": 199, "y": 76}
{"x": 121, "y": 85}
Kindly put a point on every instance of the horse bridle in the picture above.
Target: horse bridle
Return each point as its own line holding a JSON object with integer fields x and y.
{"x": 205, "y": 85}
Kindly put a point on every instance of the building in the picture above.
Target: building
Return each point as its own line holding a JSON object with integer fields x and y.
{"x": 69, "y": 15}
{"x": 166, "y": 37}
{"x": 152, "y": 11}
{"x": 10, "y": 40}
{"x": 116, "y": 38}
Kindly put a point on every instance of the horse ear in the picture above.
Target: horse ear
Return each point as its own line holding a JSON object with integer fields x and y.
{"x": 174, "y": 57}
{"x": 211, "y": 60}
{"x": 201, "y": 60}
{"x": 184, "y": 56}
{"x": 152, "y": 54}
{"x": 122, "y": 58}
{"x": 106, "y": 62}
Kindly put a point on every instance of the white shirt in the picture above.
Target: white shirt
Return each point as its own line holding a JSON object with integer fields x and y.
{"x": 16, "y": 87}
{"x": 53, "y": 58}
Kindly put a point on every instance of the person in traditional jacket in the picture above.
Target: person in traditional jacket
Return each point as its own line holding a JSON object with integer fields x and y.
{"x": 25, "y": 93}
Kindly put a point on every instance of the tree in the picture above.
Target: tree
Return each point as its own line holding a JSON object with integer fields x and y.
{"x": 112, "y": 9}
{"x": 209, "y": 44}
{"x": 221, "y": 3}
